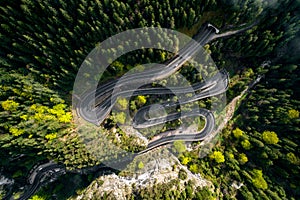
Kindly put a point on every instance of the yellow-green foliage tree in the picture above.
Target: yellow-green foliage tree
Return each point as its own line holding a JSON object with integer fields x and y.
{"x": 243, "y": 158}
{"x": 9, "y": 105}
{"x": 292, "y": 158}
{"x": 246, "y": 144}
{"x": 194, "y": 168}
{"x": 217, "y": 156}
{"x": 270, "y": 137}
{"x": 237, "y": 133}
{"x": 185, "y": 160}
{"x": 141, "y": 165}
{"x": 258, "y": 180}
{"x": 293, "y": 114}
{"x": 36, "y": 197}
{"x": 141, "y": 100}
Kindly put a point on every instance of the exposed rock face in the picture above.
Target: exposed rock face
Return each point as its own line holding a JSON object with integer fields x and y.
{"x": 157, "y": 171}
{"x": 110, "y": 185}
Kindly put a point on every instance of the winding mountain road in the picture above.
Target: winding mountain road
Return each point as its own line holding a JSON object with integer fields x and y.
{"x": 106, "y": 97}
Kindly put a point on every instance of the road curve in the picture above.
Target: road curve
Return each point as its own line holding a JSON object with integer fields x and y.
{"x": 38, "y": 177}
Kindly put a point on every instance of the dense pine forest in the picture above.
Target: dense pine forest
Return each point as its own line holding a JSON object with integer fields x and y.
{"x": 43, "y": 44}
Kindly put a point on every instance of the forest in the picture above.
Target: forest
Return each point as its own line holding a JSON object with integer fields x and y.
{"x": 43, "y": 44}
